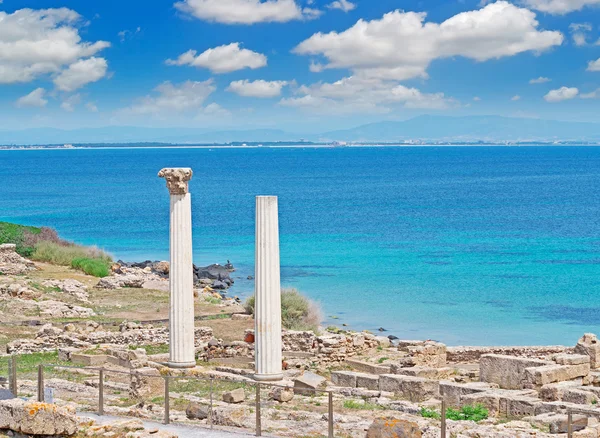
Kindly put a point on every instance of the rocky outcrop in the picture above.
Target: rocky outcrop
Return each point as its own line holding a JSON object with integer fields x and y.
{"x": 37, "y": 418}
{"x": 12, "y": 263}
{"x": 393, "y": 428}
{"x": 58, "y": 309}
{"x": 70, "y": 287}
{"x": 216, "y": 276}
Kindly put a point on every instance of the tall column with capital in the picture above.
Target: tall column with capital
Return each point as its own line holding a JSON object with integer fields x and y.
{"x": 267, "y": 313}
{"x": 181, "y": 280}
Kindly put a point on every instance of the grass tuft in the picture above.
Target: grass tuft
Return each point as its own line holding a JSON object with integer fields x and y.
{"x": 466, "y": 413}
{"x": 361, "y": 405}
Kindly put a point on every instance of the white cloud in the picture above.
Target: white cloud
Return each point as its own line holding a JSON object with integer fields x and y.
{"x": 91, "y": 107}
{"x": 477, "y": 99}
{"x": 594, "y": 65}
{"x": 35, "y": 43}
{"x": 560, "y": 7}
{"x": 560, "y": 94}
{"x": 540, "y": 80}
{"x": 222, "y": 59}
{"x": 357, "y": 94}
{"x": 593, "y": 95}
{"x": 33, "y": 99}
{"x": 579, "y": 31}
{"x": 71, "y": 102}
{"x": 260, "y": 88}
{"x": 171, "y": 98}
{"x": 401, "y": 45}
{"x": 81, "y": 73}
{"x": 344, "y": 5}
{"x": 214, "y": 110}
{"x": 515, "y": 98}
{"x": 246, "y": 11}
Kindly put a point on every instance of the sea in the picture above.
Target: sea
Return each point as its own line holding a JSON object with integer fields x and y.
{"x": 464, "y": 245}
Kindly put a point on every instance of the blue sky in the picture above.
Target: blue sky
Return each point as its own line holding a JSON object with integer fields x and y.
{"x": 294, "y": 64}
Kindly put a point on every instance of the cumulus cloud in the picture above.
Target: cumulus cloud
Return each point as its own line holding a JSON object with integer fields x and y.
{"x": 91, "y": 107}
{"x": 222, "y": 59}
{"x": 358, "y": 94}
{"x": 515, "y": 98}
{"x": 35, "y": 43}
{"x": 344, "y": 5}
{"x": 174, "y": 98}
{"x": 560, "y": 7}
{"x": 81, "y": 73}
{"x": 540, "y": 80}
{"x": 579, "y": 31}
{"x": 246, "y": 11}
{"x": 33, "y": 99}
{"x": 594, "y": 65}
{"x": 259, "y": 88}
{"x": 401, "y": 45}
{"x": 562, "y": 93}
{"x": 214, "y": 110}
{"x": 71, "y": 102}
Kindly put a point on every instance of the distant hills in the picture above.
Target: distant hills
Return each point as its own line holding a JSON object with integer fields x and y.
{"x": 423, "y": 128}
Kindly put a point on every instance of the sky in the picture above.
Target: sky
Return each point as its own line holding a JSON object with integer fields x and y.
{"x": 310, "y": 65}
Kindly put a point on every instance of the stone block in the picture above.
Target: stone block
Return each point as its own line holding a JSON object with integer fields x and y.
{"x": 589, "y": 346}
{"x": 393, "y": 428}
{"x": 555, "y": 391}
{"x": 89, "y": 360}
{"x": 235, "y": 396}
{"x": 557, "y": 423}
{"x": 519, "y": 407}
{"x": 282, "y": 395}
{"x": 415, "y": 389}
{"x": 307, "y": 383}
{"x": 506, "y": 371}
{"x": 346, "y": 379}
{"x": 543, "y": 375}
{"x": 367, "y": 381}
{"x": 579, "y": 397}
{"x": 425, "y": 372}
{"x": 571, "y": 359}
{"x": 500, "y": 401}
{"x": 366, "y": 367}
{"x": 32, "y": 418}
{"x": 452, "y": 391}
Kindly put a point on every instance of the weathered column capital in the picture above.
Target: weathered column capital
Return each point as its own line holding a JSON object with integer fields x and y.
{"x": 177, "y": 179}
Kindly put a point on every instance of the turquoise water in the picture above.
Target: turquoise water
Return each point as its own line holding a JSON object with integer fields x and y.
{"x": 477, "y": 245}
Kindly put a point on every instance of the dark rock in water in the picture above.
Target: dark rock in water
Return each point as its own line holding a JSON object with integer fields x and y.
{"x": 250, "y": 277}
{"x": 381, "y": 329}
{"x": 213, "y": 272}
{"x": 229, "y": 266}
{"x": 196, "y": 411}
{"x": 5, "y": 394}
{"x": 218, "y": 284}
{"x": 393, "y": 338}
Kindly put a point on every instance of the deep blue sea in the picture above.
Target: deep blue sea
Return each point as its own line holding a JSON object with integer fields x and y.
{"x": 466, "y": 245}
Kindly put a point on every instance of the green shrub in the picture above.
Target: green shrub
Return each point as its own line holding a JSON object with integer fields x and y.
{"x": 95, "y": 267}
{"x": 20, "y": 235}
{"x": 297, "y": 311}
{"x": 361, "y": 405}
{"x": 466, "y": 413}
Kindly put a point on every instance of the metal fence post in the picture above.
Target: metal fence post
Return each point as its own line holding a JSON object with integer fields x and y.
{"x": 12, "y": 375}
{"x": 41, "y": 383}
{"x": 258, "y": 425}
{"x": 570, "y": 424}
{"x": 330, "y": 431}
{"x": 101, "y": 392}
{"x": 443, "y": 418}
{"x": 167, "y": 407}
{"x": 210, "y": 414}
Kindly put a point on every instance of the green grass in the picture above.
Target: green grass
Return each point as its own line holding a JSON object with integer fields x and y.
{"x": 152, "y": 349}
{"x": 361, "y": 405}
{"x": 87, "y": 259}
{"x": 466, "y": 413}
{"x": 27, "y": 364}
{"x": 95, "y": 267}
{"x": 17, "y": 234}
{"x": 382, "y": 359}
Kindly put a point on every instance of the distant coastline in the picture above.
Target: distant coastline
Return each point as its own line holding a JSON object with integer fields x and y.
{"x": 257, "y": 145}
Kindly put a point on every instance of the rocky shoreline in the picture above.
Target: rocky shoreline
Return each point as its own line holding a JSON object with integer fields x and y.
{"x": 380, "y": 386}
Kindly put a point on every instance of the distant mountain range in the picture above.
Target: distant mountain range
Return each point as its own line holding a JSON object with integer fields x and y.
{"x": 423, "y": 128}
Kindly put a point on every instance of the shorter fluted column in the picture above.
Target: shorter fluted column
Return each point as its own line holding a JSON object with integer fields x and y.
{"x": 181, "y": 281}
{"x": 268, "y": 357}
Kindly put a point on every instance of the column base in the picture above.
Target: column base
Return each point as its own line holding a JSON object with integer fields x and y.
{"x": 180, "y": 365}
{"x": 268, "y": 377}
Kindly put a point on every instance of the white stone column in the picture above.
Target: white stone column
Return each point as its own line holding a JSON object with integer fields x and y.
{"x": 181, "y": 280}
{"x": 267, "y": 313}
